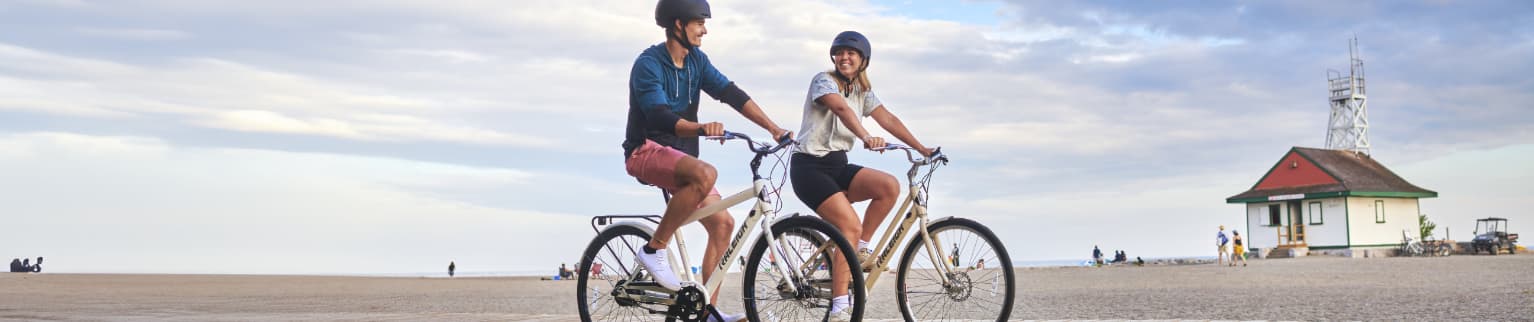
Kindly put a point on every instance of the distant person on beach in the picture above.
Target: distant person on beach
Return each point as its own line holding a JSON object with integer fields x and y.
{"x": 15, "y": 265}
{"x": 1139, "y": 262}
{"x": 1097, "y": 256}
{"x": 38, "y": 268}
{"x": 451, "y": 266}
{"x": 1239, "y": 252}
{"x": 1220, "y": 240}
{"x": 26, "y": 265}
{"x": 565, "y": 273}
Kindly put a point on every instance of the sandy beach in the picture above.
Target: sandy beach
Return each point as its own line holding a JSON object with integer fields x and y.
{"x": 1312, "y": 288}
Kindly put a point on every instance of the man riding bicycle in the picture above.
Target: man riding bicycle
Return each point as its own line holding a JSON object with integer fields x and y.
{"x": 661, "y": 141}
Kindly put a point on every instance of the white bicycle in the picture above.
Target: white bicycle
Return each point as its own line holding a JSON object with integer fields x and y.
{"x": 613, "y": 287}
{"x": 951, "y": 268}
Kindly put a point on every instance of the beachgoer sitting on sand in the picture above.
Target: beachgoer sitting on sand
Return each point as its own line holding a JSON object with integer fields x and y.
{"x": 15, "y": 265}
{"x": 38, "y": 268}
{"x": 1139, "y": 262}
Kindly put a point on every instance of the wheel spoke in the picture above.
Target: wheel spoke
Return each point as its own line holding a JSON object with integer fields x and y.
{"x": 977, "y": 285}
{"x": 616, "y": 257}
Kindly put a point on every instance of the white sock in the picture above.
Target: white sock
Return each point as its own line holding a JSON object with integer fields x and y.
{"x": 862, "y": 244}
{"x": 840, "y": 303}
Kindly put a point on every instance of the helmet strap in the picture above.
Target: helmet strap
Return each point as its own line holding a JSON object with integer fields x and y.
{"x": 672, "y": 33}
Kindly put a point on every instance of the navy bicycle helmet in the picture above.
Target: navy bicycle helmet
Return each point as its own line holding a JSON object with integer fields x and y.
{"x": 856, "y": 41}
{"x": 668, "y": 11}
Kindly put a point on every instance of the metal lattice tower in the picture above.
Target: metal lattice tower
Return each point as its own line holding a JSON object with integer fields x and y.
{"x": 1349, "y": 125}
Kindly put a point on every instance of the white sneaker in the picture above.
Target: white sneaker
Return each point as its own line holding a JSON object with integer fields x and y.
{"x": 727, "y": 317}
{"x": 659, "y": 269}
{"x": 845, "y": 315}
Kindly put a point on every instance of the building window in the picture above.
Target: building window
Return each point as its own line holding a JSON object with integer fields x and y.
{"x": 1273, "y": 216}
{"x": 1379, "y": 211}
{"x": 1315, "y": 213}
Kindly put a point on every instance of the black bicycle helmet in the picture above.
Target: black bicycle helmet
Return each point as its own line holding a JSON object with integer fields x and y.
{"x": 856, "y": 41}
{"x": 668, "y": 11}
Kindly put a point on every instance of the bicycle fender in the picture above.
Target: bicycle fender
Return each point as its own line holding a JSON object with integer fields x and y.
{"x": 782, "y": 218}
{"x": 935, "y": 221}
{"x": 631, "y": 223}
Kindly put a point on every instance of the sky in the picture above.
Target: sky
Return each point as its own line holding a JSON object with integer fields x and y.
{"x": 394, "y": 136}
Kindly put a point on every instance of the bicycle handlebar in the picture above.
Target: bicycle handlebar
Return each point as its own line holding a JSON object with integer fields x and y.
{"x": 937, "y": 154}
{"x": 753, "y": 145}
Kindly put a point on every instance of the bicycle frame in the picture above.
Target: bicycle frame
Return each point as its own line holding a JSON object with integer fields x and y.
{"x": 761, "y": 212}
{"x": 916, "y": 203}
{"x": 916, "y": 200}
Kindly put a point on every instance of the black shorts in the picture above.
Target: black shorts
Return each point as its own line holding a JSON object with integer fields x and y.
{"x": 817, "y": 178}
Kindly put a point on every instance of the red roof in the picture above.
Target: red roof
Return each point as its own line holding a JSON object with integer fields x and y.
{"x": 1320, "y": 173}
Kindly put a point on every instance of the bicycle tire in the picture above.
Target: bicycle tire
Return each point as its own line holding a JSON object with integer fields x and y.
{"x": 632, "y": 239}
{"x": 805, "y": 226}
{"x": 914, "y": 250}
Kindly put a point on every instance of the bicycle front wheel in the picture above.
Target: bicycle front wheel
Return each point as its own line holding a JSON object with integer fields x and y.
{"x": 608, "y": 261}
{"x": 979, "y": 283}
{"x": 808, "y": 244}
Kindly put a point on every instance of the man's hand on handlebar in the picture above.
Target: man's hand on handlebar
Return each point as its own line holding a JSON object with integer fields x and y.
{"x": 711, "y": 129}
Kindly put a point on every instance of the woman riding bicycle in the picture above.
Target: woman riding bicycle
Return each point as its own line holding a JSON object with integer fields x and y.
{"x": 822, "y": 178}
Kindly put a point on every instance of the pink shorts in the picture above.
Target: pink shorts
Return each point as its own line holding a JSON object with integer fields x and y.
{"x": 656, "y": 164}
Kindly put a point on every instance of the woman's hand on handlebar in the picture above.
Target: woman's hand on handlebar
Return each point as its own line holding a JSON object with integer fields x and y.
{"x": 926, "y": 152}
{"x": 873, "y": 143}
{"x": 781, "y": 135}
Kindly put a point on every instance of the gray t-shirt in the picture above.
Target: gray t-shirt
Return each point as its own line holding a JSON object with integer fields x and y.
{"x": 822, "y": 132}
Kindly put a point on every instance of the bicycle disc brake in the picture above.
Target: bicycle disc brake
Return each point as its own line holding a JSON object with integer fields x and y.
{"x": 960, "y": 286}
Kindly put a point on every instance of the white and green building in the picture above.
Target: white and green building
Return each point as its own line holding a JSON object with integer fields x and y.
{"x": 1330, "y": 201}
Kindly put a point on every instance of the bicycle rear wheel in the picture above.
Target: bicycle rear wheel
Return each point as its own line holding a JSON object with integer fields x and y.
{"x": 767, "y": 294}
{"x": 980, "y": 286}
{"x": 613, "y": 250}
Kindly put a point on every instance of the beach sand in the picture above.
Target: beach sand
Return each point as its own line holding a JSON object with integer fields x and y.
{"x": 1311, "y": 288}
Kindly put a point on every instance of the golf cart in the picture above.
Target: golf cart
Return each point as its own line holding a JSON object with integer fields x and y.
{"x": 1491, "y": 236}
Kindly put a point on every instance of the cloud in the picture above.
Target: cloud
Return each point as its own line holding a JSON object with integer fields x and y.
{"x": 135, "y": 34}
{"x": 225, "y": 210}
{"x": 1049, "y": 105}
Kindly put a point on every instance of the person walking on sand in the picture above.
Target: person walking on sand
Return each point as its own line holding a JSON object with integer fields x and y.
{"x": 1220, "y": 240}
{"x": 451, "y": 266}
{"x": 1239, "y": 251}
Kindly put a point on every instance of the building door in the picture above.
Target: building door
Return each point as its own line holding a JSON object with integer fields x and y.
{"x": 1296, "y": 225}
